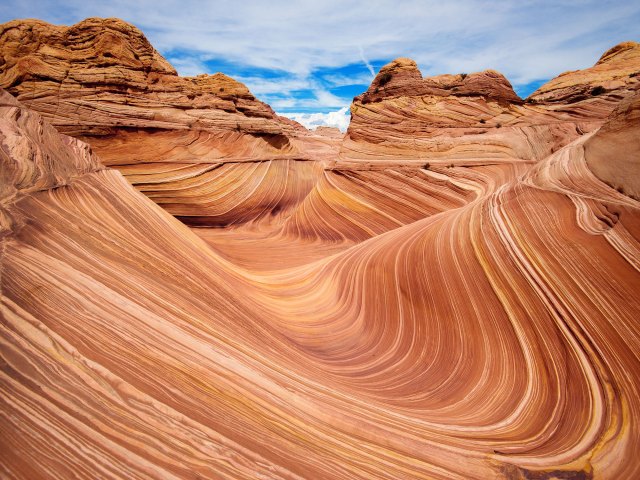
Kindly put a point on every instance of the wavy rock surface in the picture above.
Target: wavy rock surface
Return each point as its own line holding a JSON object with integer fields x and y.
{"x": 620, "y": 134}
{"x": 358, "y": 315}
{"x": 101, "y": 81}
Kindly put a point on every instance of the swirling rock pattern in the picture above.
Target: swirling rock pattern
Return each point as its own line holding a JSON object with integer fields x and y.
{"x": 619, "y": 133}
{"x": 103, "y": 82}
{"x": 465, "y": 309}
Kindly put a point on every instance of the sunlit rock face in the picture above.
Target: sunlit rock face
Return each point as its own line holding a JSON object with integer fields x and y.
{"x": 613, "y": 75}
{"x": 102, "y": 77}
{"x": 477, "y": 118}
{"x": 432, "y": 296}
{"x": 102, "y": 81}
{"x": 619, "y": 134}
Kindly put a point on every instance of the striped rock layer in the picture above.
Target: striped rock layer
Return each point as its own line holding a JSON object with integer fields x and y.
{"x": 477, "y": 118}
{"x": 102, "y": 81}
{"x": 431, "y": 297}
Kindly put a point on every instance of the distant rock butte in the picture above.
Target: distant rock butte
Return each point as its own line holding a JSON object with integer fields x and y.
{"x": 477, "y": 117}
{"x": 329, "y": 131}
{"x": 102, "y": 77}
{"x": 402, "y": 77}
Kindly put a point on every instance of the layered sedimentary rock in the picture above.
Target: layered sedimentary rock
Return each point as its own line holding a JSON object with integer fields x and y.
{"x": 133, "y": 350}
{"x": 615, "y": 72}
{"x": 102, "y": 77}
{"x": 102, "y": 81}
{"x": 621, "y": 133}
{"x": 464, "y": 308}
{"x": 331, "y": 132}
{"x": 477, "y": 117}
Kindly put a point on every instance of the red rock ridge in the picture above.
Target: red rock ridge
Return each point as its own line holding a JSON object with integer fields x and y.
{"x": 402, "y": 77}
{"x": 614, "y": 74}
{"x": 621, "y": 133}
{"x": 103, "y": 82}
{"x": 102, "y": 77}
{"x": 477, "y": 117}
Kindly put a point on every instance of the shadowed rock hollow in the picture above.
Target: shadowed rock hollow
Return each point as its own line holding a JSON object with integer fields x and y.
{"x": 447, "y": 291}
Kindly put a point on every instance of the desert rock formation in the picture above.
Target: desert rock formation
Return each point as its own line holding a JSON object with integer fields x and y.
{"x": 433, "y": 297}
{"x": 478, "y": 118}
{"x": 102, "y": 77}
{"x": 102, "y": 81}
{"x": 615, "y": 72}
{"x": 619, "y": 134}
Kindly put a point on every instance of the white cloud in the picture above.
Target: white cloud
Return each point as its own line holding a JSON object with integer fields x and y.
{"x": 328, "y": 99}
{"x": 260, "y": 86}
{"x": 317, "y": 98}
{"x": 187, "y": 66}
{"x": 338, "y": 119}
{"x": 341, "y": 80}
{"x": 281, "y": 103}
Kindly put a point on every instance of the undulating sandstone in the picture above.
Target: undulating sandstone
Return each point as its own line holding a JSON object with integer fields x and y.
{"x": 447, "y": 292}
{"x": 621, "y": 133}
{"x": 103, "y": 82}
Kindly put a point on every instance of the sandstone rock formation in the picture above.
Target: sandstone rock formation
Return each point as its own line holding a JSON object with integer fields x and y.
{"x": 102, "y": 77}
{"x": 616, "y": 71}
{"x": 329, "y": 132}
{"x": 463, "y": 306}
{"x": 102, "y": 81}
{"x": 477, "y": 117}
{"x": 621, "y": 133}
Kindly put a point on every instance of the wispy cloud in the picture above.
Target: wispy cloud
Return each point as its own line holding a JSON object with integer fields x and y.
{"x": 261, "y": 86}
{"x": 187, "y": 66}
{"x": 342, "y": 79}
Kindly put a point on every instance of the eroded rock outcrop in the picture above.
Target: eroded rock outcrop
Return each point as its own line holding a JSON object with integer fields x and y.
{"x": 402, "y": 77}
{"x": 102, "y": 76}
{"x": 103, "y": 82}
{"x": 620, "y": 134}
{"x": 477, "y": 117}
{"x": 448, "y": 117}
{"x": 331, "y": 132}
{"x": 34, "y": 155}
{"x": 613, "y": 75}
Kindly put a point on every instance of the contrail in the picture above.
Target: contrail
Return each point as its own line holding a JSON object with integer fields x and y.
{"x": 366, "y": 62}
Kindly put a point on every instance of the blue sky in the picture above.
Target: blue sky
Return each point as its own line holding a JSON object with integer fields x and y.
{"x": 308, "y": 59}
